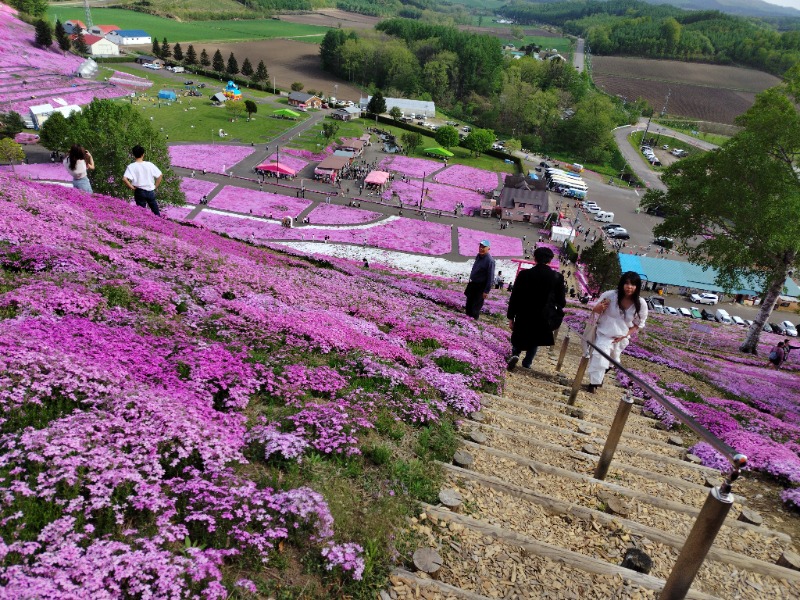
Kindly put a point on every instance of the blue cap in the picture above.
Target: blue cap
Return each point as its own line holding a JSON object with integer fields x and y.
{"x": 486, "y": 243}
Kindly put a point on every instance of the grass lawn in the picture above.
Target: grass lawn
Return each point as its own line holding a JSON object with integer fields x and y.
{"x": 194, "y": 31}
{"x": 563, "y": 45}
{"x": 313, "y": 140}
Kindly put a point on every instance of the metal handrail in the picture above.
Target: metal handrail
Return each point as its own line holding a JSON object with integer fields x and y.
{"x": 737, "y": 459}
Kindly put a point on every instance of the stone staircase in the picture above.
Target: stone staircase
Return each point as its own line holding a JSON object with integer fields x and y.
{"x": 533, "y": 522}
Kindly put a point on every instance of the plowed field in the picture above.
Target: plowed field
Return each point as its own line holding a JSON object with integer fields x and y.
{"x": 706, "y": 92}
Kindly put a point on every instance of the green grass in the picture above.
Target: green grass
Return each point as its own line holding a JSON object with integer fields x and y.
{"x": 712, "y": 138}
{"x": 194, "y": 31}
{"x": 197, "y": 120}
{"x": 563, "y": 45}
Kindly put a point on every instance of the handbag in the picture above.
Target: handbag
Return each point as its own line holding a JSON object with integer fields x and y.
{"x": 589, "y": 333}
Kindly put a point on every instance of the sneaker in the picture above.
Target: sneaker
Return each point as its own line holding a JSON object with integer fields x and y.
{"x": 512, "y": 362}
{"x": 592, "y": 388}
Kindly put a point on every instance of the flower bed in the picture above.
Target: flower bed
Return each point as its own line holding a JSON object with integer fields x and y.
{"x": 406, "y": 235}
{"x": 308, "y": 155}
{"x": 264, "y": 204}
{"x": 468, "y": 177}
{"x": 195, "y": 189}
{"x": 333, "y": 214}
{"x": 502, "y": 245}
{"x": 294, "y": 163}
{"x": 413, "y": 167}
{"x": 214, "y": 158}
{"x": 41, "y": 171}
{"x": 177, "y": 213}
{"x": 437, "y": 196}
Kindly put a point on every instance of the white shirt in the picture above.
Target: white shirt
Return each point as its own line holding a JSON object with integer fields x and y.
{"x": 143, "y": 175}
{"x": 615, "y": 322}
{"x": 79, "y": 172}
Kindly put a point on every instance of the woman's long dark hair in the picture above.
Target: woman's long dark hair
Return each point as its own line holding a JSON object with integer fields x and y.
{"x": 76, "y": 153}
{"x": 629, "y": 277}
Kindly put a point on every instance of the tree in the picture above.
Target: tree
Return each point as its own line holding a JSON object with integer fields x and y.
{"x": 44, "y": 33}
{"x": 261, "y": 73}
{"x": 411, "y": 141}
{"x": 204, "y": 60}
{"x": 177, "y": 52}
{"x": 251, "y": 108}
{"x": 156, "y": 49}
{"x": 11, "y": 124}
{"x": 234, "y": 108}
{"x": 55, "y": 134}
{"x": 64, "y": 43}
{"x": 247, "y": 68}
{"x": 11, "y": 152}
{"x": 218, "y": 63}
{"x": 479, "y": 140}
{"x": 166, "y": 51}
{"x": 191, "y": 55}
{"x": 602, "y": 265}
{"x": 35, "y": 8}
{"x": 109, "y": 130}
{"x": 233, "y": 66}
{"x": 513, "y": 145}
{"x": 329, "y": 130}
{"x": 735, "y": 209}
{"x": 447, "y": 136}
{"x": 80, "y": 44}
{"x": 377, "y": 104}
{"x": 297, "y": 86}
{"x": 396, "y": 113}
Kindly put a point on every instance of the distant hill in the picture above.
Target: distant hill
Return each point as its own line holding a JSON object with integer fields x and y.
{"x": 745, "y": 8}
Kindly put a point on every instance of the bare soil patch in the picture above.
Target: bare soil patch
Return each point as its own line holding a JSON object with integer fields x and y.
{"x": 288, "y": 61}
{"x": 701, "y": 91}
{"x": 332, "y": 17}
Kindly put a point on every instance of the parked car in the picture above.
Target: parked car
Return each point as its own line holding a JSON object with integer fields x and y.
{"x": 748, "y": 322}
{"x": 188, "y": 82}
{"x": 789, "y": 328}
{"x": 671, "y": 311}
{"x": 666, "y": 242}
{"x": 684, "y": 312}
{"x": 593, "y": 210}
{"x": 707, "y": 316}
{"x": 767, "y": 328}
{"x": 738, "y": 321}
{"x": 777, "y": 328}
{"x": 722, "y": 316}
{"x": 665, "y": 147}
{"x": 696, "y": 313}
{"x": 610, "y": 226}
{"x": 619, "y": 234}
{"x": 466, "y": 128}
{"x": 704, "y": 298}
{"x": 201, "y": 85}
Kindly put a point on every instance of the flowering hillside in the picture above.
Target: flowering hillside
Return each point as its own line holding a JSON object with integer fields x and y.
{"x": 169, "y": 398}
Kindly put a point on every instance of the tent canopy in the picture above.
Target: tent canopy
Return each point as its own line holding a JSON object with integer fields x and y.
{"x": 167, "y": 95}
{"x": 286, "y": 112}
{"x": 438, "y": 151}
{"x": 377, "y": 178}
{"x": 275, "y": 167}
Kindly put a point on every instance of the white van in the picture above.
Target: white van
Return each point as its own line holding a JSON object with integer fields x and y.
{"x": 722, "y": 316}
{"x": 604, "y": 217}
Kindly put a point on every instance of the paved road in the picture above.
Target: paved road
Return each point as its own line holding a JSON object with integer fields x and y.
{"x": 579, "y": 56}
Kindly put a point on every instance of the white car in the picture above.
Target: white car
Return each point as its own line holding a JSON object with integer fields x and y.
{"x": 593, "y": 209}
{"x": 738, "y": 321}
{"x": 705, "y": 298}
{"x": 684, "y": 312}
{"x": 588, "y": 203}
{"x": 671, "y": 311}
{"x": 789, "y": 328}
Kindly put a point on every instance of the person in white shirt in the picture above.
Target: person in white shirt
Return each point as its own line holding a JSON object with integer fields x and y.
{"x": 78, "y": 162}
{"x": 622, "y": 313}
{"x": 143, "y": 177}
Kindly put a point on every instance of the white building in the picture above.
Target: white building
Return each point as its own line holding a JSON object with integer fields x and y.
{"x": 41, "y": 112}
{"x": 100, "y": 46}
{"x": 408, "y": 107}
{"x": 129, "y": 37}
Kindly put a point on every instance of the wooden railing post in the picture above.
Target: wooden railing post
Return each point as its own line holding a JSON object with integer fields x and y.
{"x": 561, "y": 356}
{"x": 623, "y": 410}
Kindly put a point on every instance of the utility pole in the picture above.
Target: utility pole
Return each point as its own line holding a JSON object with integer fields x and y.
{"x": 666, "y": 102}
{"x": 88, "y": 14}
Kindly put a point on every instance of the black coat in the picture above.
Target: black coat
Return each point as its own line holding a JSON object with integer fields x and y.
{"x": 526, "y": 305}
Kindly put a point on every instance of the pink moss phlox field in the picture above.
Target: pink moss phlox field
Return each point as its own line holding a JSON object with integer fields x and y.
{"x": 131, "y": 348}
{"x": 468, "y": 177}
{"x": 333, "y": 214}
{"x": 413, "y": 167}
{"x": 307, "y": 154}
{"x": 211, "y": 157}
{"x": 288, "y": 160}
{"x": 502, "y": 245}
{"x": 44, "y": 171}
{"x": 436, "y": 197}
{"x": 263, "y": 204}
{"x": 195, "y": 189}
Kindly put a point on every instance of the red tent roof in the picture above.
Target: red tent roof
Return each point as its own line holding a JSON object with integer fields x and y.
{"x": 274, "y": 167}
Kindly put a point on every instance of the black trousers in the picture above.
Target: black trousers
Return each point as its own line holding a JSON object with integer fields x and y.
{"x": 474, "y": 294}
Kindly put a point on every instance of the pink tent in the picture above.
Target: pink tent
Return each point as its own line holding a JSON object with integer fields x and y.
{"x": 377, "y": 178}
{"x": 274, "y": 167}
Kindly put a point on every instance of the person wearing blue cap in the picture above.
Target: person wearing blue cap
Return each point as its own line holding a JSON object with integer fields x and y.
{"x": 480, "y": 280}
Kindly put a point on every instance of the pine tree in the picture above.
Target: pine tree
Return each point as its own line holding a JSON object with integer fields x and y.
{"x": 191, "y": 56}
{"x": 261, "y": 73}
{"x": 233, "y": 65}
{"x": 247, "y": 68}
{"x": 156, "y": 48}
{"x": 166, "y": 51}
{"x": 80, "y": 44}
{"x": 61, "y": 37}
{"x": 177, "y": 52}
{"x": 44, "y": 34}
{"x": 218, "y": 63}
{"x": 204, "y": 60}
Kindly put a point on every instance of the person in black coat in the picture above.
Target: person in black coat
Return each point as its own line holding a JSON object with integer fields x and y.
{"x": 529, "y": 316}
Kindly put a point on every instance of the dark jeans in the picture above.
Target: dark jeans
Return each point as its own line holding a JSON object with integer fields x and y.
{"x": 530, "y": 352}
{"x": 146, "y": 198}
{"x": 474, "y": 294}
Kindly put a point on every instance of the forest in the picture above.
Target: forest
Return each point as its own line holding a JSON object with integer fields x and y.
{"x": 633, "y": 28}
{"x": 546, "y": 105}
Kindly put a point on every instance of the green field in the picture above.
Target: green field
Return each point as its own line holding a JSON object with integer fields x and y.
{"x": 196, "y": 31}
{"x": 563, "y": 45}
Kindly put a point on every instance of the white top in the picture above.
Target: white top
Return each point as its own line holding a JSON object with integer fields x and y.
{"x": 143, "y": 175}
{"x": 79, "y": 172}
{"x": 615, "y": 322}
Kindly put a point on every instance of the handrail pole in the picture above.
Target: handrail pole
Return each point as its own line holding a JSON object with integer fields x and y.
{"x": 701, "y": 537}
{"x": 561, "y": 356}
{"x": 576, "y": 383}
{"x": 614, "y": 433}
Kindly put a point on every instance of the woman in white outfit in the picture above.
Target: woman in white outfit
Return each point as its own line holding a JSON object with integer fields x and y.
{"x": 622, "y": 313}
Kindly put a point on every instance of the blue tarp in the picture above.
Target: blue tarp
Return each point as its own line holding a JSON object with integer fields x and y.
{"x": 688, "y": 275}
{"x": 167, "y": 95}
